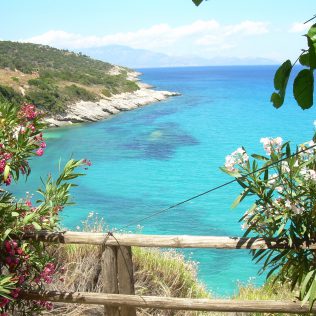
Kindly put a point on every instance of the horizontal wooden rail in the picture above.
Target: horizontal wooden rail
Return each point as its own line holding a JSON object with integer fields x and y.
{"x": 165, "y": 241}
{"x": 171, "y": 303}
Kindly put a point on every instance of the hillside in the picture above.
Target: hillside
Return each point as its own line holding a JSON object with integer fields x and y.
{"x": 52, "y": 78}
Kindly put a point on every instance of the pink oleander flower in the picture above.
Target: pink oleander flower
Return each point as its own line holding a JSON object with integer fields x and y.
{"x": 43, "y": 145}
{"x": 31, "y": 127}
{"x": 2, "y": 165}
{"x": 15, "y": 293}
{"x": 39, "y": 137}
{"x": 40, "y": 152}
{"x": 87, "y": 162}
{"x": 29, "y": 111}
{"x": 3, "y": 302}
{"x": 7, "y": 156}
{"x": 8, "y": 180}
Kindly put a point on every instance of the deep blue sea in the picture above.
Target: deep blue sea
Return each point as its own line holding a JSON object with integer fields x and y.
{"x": 147, "y": 159}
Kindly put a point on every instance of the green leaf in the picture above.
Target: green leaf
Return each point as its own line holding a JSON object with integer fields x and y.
{"x": 6, "y": 280}
{"x": 305, "y": 282}
{"x": 281, "y": 79}
{"x": 304, "y": 59}
{"x": 14, "y": 214}
{"x": 288, "y": 150}
{"x": 311, "y": 40}
{"x": 234, "y": 174}
{"x": 281, "y": 228}
{"x": 6, "y": 172}
{"x": 242, "y": 184}
{"x": 276, "y": 99}
{"x": 36, "y": 226}
{"x": 311, "y": 53}
{"x": 259, "y": 157}
{"x": 312, "y": 33}
{"x": 239, "y": 198}
{"x": 197, "y": 2}
{"x": 306, "y": 297}
{"x": 303, "y": 88}
{"x": 28, "y": 217}
{"x": 6, "y": 233}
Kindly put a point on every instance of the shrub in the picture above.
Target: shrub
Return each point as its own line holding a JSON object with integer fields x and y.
{"x": 7, "y": 94}
{"x": 26, "y": 265}
{"x": 15, "y": 79}
{"x": 285, "y": 202}
{"x": 76, "y": 93}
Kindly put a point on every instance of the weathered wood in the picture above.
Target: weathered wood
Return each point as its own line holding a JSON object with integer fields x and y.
{"x": 171, "y": 241}
{"x": 109, "y": 277}
{"x": 171, "y": 303}
{"x": 125, "y": 275}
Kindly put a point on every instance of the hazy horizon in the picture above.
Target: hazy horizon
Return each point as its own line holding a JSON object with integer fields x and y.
{"x": 180, "y": 31}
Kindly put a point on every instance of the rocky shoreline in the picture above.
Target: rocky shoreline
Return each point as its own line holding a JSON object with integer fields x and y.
{"x": 87, "y": 111}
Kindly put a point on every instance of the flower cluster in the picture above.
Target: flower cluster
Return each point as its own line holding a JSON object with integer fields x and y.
{"x": 238, "y": 157}
{"x": 271, "y": 144}
{"x": 20, "y": 139}
{"x": 47, "y": 274}
{"x": 28, "y": 111}
{"x": 19, "y": 264}
{"x": 44, "y": 305}
{"x": 308, "y": 174}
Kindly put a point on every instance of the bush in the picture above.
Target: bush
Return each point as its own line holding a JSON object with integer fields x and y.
{"x": 15, "y": 79}
{"x": 7, "y": 94}
{"x": 76, "y": 93}
{"x": 106, "y": 92}
{"x": 284, "y": 186}
{"x": 26, "y": 265}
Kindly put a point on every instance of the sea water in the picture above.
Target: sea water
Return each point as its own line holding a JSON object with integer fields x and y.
{"x": 155, "y": 156}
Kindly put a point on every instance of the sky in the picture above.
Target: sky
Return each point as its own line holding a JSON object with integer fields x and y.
{"x": 226, "y": 28}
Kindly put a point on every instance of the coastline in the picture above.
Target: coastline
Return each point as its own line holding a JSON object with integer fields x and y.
{"x": 87, "y": 111}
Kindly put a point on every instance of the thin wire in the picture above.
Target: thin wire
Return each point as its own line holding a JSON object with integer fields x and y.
{"x": 310, "y": 19}
{"x": 213, "y": 189}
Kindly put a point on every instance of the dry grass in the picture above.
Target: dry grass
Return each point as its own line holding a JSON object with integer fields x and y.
{"x": 161, "y": 273}
{"x": 269, "y": 291}
{"x": 15, "y": 79}
{"x": 156, "y": 273}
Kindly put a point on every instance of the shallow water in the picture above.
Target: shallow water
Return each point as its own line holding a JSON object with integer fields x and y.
{"x": 155, "y": 156}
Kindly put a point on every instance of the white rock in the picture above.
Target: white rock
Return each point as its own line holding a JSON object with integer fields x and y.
{"x": 87, "y": 111}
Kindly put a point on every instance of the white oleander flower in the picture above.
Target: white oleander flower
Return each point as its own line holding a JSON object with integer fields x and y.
{"x": 270, "y": 144}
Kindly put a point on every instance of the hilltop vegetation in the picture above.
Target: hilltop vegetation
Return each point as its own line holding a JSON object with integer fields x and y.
{"x": 52, "y": 78}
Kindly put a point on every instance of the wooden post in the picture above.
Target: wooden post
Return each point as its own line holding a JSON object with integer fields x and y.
{"x": 125, "y": 276}
{"x": 109, "y": 276}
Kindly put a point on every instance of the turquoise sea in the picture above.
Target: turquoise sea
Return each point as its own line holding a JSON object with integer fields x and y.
{"x": 157, "y": 155}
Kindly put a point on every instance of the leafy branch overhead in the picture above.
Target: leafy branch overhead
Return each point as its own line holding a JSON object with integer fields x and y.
{"x": 197, "y": 2}
{"x": 303, "y": 85}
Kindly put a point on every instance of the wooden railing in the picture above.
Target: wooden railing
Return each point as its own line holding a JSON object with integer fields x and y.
{"x": 119, "y": 296}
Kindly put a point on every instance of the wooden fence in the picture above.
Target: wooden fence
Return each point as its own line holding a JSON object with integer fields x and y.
{"x": 119, "y": 297}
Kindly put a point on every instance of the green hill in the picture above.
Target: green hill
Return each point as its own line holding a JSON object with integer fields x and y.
{"x": 52, "y": 78}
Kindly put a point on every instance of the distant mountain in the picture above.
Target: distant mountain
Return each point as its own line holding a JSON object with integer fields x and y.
{"x": 142, "y": 58}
